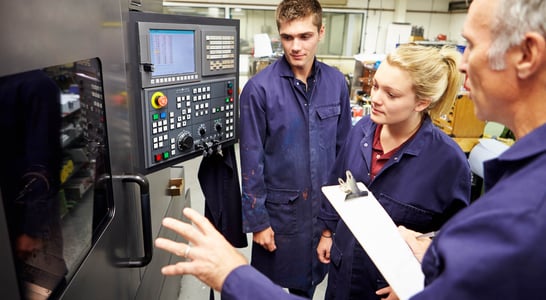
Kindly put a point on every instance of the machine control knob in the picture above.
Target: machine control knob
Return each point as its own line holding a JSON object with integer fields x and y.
{"x": 218, "y": 127}
{"x": 159, "y": 100}
{"x": 184, "y": 141}
{"x": 202, "y": 130}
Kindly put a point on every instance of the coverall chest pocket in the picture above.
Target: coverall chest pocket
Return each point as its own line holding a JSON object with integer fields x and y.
{"x": 328, "y": 116}
{"x": 281, "y": 206}
{"x": 410, "y": 216}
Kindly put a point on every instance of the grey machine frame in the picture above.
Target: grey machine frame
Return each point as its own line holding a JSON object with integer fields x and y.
{"x": 40, "y": 33}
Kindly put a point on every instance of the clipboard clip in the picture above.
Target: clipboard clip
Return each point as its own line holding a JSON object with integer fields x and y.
{"x": 350, "y": 188}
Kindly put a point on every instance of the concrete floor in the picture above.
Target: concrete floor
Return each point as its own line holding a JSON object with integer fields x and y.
{"x": 193, "y": 289}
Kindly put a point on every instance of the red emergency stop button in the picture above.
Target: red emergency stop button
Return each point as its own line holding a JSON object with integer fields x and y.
{"x": 159, "y": 100}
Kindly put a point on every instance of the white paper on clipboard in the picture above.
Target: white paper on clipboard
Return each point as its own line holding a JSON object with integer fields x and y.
{"x": 379, "y": 236}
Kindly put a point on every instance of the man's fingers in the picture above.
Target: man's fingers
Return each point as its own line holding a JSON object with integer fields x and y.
{"x": 175, "y": 248}
{"x": 183, "y": 229}
{"x": 201, "y": 222}
{"x": 179, "y": 269}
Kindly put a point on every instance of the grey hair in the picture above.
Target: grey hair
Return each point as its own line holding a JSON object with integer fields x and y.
{"x": 511, "y": 21}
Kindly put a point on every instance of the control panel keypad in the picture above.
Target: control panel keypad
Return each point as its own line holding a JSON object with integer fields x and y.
{"x": 195, "y": 117}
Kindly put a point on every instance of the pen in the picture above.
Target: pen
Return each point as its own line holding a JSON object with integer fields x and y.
{"x": 427, "y": 235}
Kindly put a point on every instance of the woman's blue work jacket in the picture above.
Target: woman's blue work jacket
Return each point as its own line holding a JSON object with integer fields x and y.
{"x": 425, "y": 183}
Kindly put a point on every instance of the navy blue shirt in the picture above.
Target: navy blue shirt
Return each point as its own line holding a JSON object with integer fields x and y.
{"x": 290, "y": 135}
{"x": 496, "y": 248}
{"x": 30, "y": 121}
{"x": 421, "y": 186}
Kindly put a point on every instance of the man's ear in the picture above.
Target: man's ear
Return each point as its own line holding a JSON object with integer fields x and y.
{"x": 321, "y": 32}
{"x": 532, "y": 52}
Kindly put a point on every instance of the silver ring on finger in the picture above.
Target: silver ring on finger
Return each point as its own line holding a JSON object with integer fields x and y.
{"x": 187, "y": 252}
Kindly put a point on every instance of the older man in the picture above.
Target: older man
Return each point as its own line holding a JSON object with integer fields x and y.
{"x": 494, "y": 249}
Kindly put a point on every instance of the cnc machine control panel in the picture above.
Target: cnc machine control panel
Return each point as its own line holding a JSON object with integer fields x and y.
{"x": 188, "y": 82}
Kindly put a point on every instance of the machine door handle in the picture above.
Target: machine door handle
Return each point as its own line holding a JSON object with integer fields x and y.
{"x": 145, "y": 210}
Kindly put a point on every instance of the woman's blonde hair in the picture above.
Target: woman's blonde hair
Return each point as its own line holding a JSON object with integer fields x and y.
{"x": 434, "y": 73}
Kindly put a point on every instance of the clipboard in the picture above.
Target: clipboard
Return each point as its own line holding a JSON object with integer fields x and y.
{"x": 378, "y": 235}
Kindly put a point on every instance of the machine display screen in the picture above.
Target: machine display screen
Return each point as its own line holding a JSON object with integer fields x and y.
{"x": 172, "y": 51}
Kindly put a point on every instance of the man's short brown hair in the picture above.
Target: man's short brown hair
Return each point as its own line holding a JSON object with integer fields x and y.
{"x": 289, "y": 10}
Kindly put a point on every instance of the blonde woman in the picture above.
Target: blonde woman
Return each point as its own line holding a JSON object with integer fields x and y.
{"x": 417, "y": 172}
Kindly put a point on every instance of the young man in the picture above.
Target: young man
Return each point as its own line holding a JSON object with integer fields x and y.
{"x": 494, "y": 249}
{"x": 295, "y": 115}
